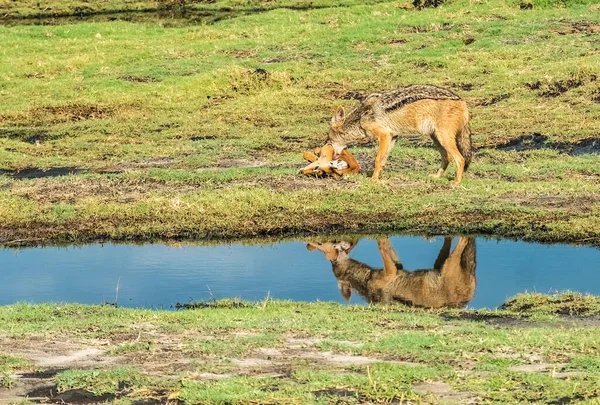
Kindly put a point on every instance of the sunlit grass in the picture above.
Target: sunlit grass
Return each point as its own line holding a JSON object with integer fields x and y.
{"x": 177, "y": 119}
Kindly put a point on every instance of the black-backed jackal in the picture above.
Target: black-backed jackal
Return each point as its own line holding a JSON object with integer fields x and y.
{"x": 424, "y": 109}
{"x": 450, "y": 283}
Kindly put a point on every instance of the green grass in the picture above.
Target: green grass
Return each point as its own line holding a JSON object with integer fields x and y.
{"x": 8, "y": 364}
{"x": 170, "y": 118}
{"x": 163, "y": 355}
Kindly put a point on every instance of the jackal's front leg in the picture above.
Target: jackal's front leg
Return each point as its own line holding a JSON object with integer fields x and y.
{"x": 386, "y": 143}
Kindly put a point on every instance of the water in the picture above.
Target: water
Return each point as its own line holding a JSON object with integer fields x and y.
{"x": 159, "y": 276}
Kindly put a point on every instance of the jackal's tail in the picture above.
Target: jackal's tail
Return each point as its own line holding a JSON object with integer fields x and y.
{"x": 468, "y": 259}
{"x": 463, "y": 142}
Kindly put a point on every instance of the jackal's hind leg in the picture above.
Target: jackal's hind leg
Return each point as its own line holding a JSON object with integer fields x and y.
{"x": 452, "y": 262}
{"x": 448, "y": 142}
{"x": 443, "y": 167}
{"x": 443, "y": 155}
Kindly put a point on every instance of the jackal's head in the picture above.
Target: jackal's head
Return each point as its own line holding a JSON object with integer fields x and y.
{"x": 337, "y": 253}
{"x": 332, "y": 250}
{"x": 345, "y": 129}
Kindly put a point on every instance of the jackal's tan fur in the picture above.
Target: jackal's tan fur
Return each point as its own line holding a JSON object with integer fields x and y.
{"x": 424, "y": 109}
{"x": 450, "y": 283}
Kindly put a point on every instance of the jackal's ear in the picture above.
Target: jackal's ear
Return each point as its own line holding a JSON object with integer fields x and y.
{"x": 340, "y": 114}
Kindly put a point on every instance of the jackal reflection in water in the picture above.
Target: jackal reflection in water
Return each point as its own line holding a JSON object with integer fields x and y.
{"x": 450, "y": 283}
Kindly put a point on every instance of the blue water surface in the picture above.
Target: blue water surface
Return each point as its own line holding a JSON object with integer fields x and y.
{"x": 158, "y": 276}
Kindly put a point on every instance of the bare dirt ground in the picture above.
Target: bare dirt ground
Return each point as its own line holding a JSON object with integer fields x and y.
{"x": 170, "y": 357}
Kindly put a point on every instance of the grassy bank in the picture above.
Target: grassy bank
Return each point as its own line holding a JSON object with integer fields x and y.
{"x": 188, "y": 119}
{"x": 539, "y": 349}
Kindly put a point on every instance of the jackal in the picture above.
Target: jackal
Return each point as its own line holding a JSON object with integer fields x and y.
{"x": 450, "y": 283}
{"x": 424, "y": 109}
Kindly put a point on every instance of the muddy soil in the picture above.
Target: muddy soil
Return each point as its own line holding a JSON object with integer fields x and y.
{"x": 537, "y": 141}
{"x": 169, "y": 357}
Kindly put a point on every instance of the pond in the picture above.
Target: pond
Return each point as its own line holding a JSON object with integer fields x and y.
{"x": 430, "y": 272}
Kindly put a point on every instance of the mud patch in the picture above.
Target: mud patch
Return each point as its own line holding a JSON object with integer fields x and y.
{"x": 72, "y": 112}
{"x": 29, "y": 135}
{"x": 535, "y": 368}
{"x": 278, "y": 59}
{"x": 42, "y": 374}
{"x": 141, "y": 164}
{"x": 251, "y": 81}
{"x": 525, "y": 5}
{"x": 355, "y": 95}
{"x": 139, "y": 79}
{"x": 292, "y": 139}
{"x": 533, "y": 141}
{"x": 579, "y": 27}
{"x": 175, "y": 13}
{"x": 435, "y": 388}
{"x": 203, "y": 138}
{"x": 596, "y": 96}
{"x": 103, "y": 189}
{"x": 537, "y": 141}
{"x": 567, "y": 321}
{"x": 563, "y": 304}
{"x": 460, "y": 86}
{"x": 487, "y": 101}
{"x": 433, "y": 27}
{"x": 573, "y": 399}
{"x": 77, "y": 396}
{"x": 420, "y": 4}
{"x": 212, "y": 376}
{"x": 241, "y": 163}
{"x": 298, "y": 343}
{"x": 335, "y": 392}
{"x": 168, "y": 17}
{"x": 580, "y": 203}
{"x": 129, "y": 190}
{"x": 548, "y": 87}
{"x": 296, "y": 183}
{"x": 586, "y": 146}
{"x": 37, "y": 173}
{"x": 498, "y": 320}
{"x": 443, "y": 392}
{"x": 396, "y": 41}
{"x": 241, "y": 53}
{"x": 425, "y": 66}
{"x": 50, "y": 395}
